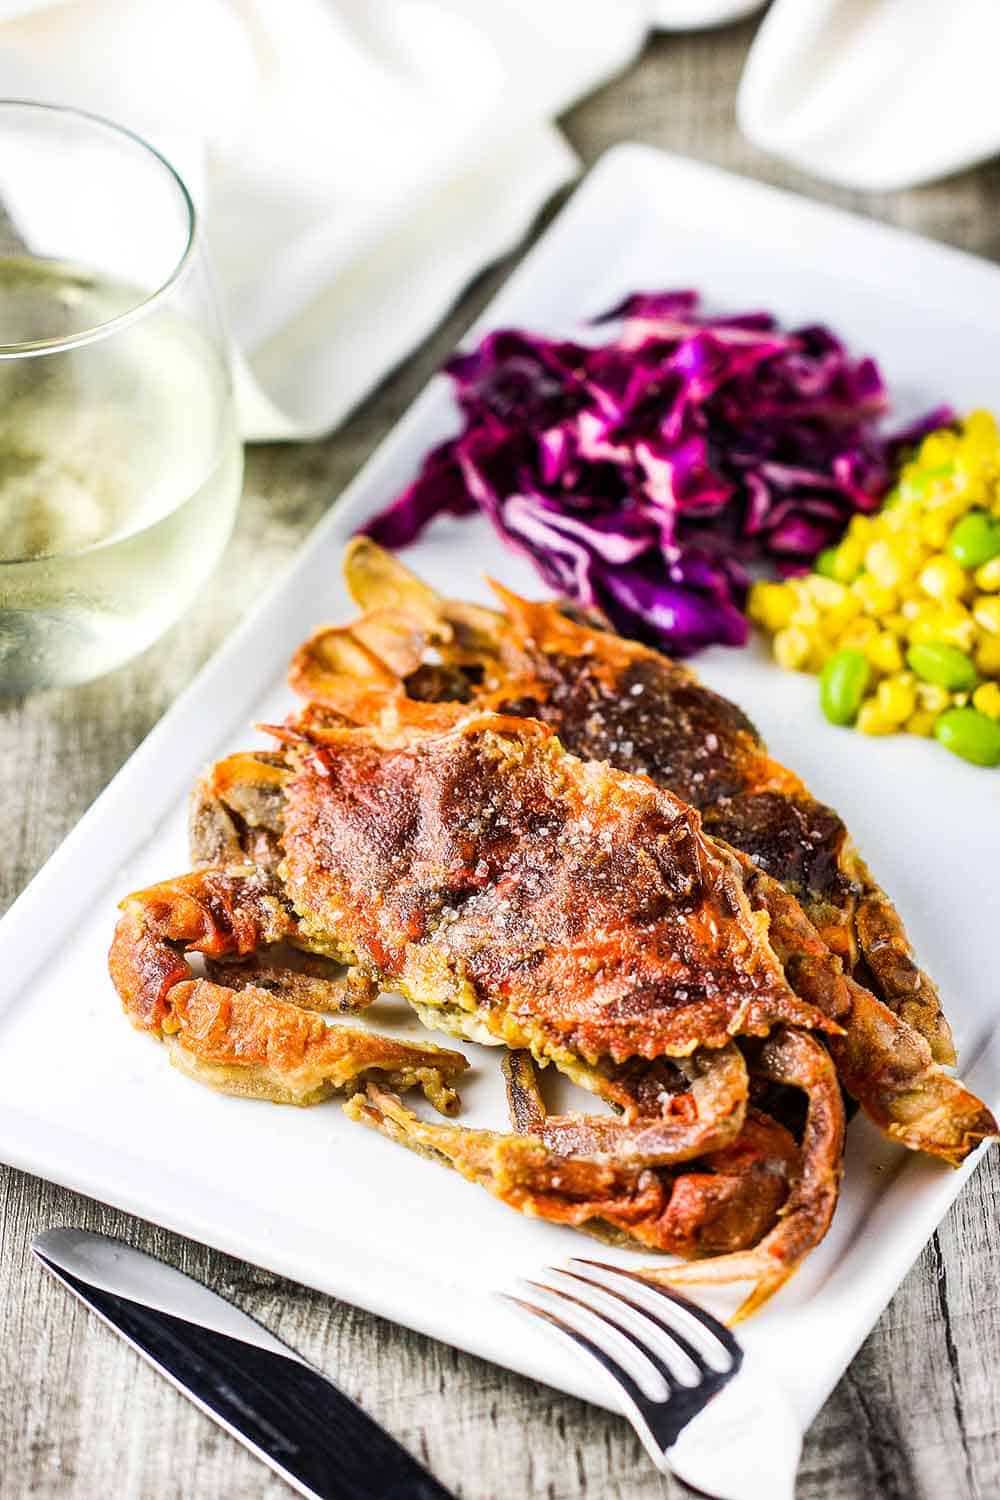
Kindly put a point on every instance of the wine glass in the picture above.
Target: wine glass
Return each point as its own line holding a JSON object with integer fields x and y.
{"x": 120, "y": 460}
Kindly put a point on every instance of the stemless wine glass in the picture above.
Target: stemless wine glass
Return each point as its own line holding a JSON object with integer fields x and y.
{"x": 120, "y": 461}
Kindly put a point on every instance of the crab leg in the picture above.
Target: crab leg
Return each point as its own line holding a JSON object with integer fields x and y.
{"x": 305, "y": 979}
{"x": 604, "y": 1155}
{"x": 236, "y": 817}
{"x": 728, "y": 1201}
{"x": 904, "y": 986}
{"x": 246, "y": 1040}
{"x": 387, "y": 646}
{"x": 520, "y": 1170}
{"x": 795, "y": 1058}
{"x": 525, "y": 1104}
{"x": 914, "y": 1100}
{"x": 214, "y": 911}
{"x": 726, "y": 1204}
{"x": 882, "y": 1062}
{"x": 708, "y": 1116}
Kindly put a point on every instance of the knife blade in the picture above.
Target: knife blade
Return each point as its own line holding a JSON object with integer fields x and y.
{"x": 234, "y": 1370}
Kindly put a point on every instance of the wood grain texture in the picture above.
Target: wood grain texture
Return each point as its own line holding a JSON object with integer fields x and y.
{"x": 918, "y": 1413}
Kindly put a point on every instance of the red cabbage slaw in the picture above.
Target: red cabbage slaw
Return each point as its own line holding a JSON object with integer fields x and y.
{"x": 644, "y": 475}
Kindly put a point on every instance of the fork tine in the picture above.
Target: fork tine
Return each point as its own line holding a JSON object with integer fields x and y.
{"x": 720, "y": 1434}
{"x": 657, "y": 1423}
{"x": 649, "y": 1319}
{"x": 711, "y": 1325}
{"x": 607, "y": 1361}
{"x": 642, "y": 1348}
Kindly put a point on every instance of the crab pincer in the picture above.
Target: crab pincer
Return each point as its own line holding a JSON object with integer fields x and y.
{"x": 246, "y": 1039}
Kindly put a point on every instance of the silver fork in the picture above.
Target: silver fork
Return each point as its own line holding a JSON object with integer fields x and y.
{"x": 703, "y": 1408}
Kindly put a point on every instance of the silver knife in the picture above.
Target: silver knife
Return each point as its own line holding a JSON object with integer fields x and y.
{"x": 285, "y": 1411}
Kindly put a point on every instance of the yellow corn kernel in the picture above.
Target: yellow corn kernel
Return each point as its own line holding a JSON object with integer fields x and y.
{"x": 805, "y": 614}
{"x": 943, "y": 578}
{"x": 884, "y": 653}
{"x": 825, "y": 593}
{"x": 847, "y": 559}
{"x": 932, "y": 698}
{"x": 859, "y": 633}
{"x": 791, "y": 648}
{"x": 987, "y": 699}
{"x": 883, "y": 565}
{"x": 874, "y": 597}
{"x": 896, "y": 622}
{"x": 922, "y": 722}
{"x": 912, "y": 609}
{"x": 936, "y": 449}
{"x": 972, "y": 463}
{"x": 988, "y": 576}
{"x": 959, "y": 489}
{"x": 986, "y": 613}
{"x": 988, "y": 656}
{"x": 835, "y": 620}
{"x": 771, "y": 605}
{"x": 871, "y": 719}
{"x": 894, "y": 518}
{"x": 949, "y": 623}
{"x": 895, "y": 698}
{"x": 980, "y": 431}
{"x": 934, "y": 529}
{"x": 860, "y": 532}
{"x": 820, "y": 652}
{"x": 891, "y": 562}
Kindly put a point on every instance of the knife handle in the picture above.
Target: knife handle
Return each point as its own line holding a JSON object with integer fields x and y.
{"x": 288, "y": 1412}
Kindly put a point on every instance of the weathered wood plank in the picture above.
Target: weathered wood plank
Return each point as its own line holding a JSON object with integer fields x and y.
{"x": 917, "y": 1415}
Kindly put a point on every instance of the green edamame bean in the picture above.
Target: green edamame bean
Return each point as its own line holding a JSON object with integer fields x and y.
{"x": 842, "y": 685}
{"x": 947, "y": 666}
{"x": 970, "y": 734}
{"x": 975, "y": 539}
{"x": 825, "y": 562}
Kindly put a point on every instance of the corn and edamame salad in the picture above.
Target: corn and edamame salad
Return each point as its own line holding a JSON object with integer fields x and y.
{"x": 901, "y": 620}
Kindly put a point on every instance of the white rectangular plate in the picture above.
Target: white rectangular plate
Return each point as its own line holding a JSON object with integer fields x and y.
{"x": 88, "y": 1102}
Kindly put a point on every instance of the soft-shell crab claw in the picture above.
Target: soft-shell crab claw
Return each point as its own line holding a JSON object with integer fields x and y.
{"x": 796, "y": 1060}
{"x": 751, "y": 1210}
{"x": 248, "y": 1039}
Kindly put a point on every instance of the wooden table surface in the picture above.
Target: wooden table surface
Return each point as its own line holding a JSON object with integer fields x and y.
{"x": 918, "y": 1412}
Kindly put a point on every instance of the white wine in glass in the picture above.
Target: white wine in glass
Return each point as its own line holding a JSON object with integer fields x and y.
{"x": 120, "y": 463}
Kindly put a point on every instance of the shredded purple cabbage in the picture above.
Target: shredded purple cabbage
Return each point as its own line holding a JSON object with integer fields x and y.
{"x": 644, "y": 475}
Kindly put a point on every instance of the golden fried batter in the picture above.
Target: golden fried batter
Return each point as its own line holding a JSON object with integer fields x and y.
{"x": 559, "y": 905}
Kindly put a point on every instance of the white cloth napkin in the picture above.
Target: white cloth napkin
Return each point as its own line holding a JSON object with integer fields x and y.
{"x": 356, "y": 161}
{"x": 875, "y": 94}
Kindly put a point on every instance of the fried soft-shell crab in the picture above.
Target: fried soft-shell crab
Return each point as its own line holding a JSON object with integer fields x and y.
{"x": 515, "y": 894}
{"x": 840, "y": 940}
